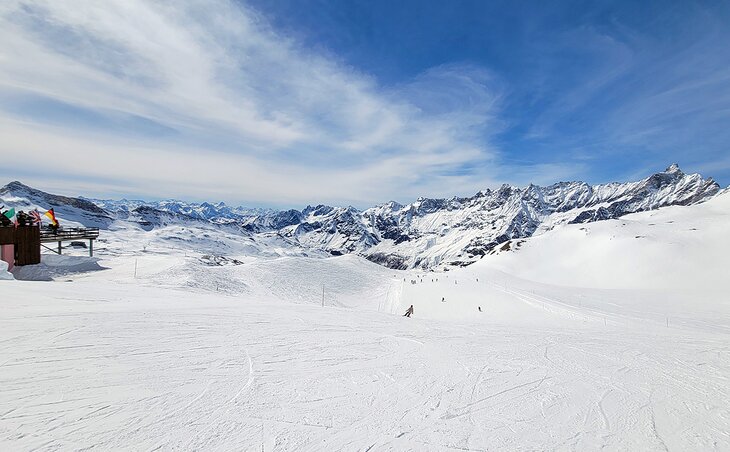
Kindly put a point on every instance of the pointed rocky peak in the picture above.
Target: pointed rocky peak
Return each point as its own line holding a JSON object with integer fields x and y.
{"x": 16, "y": 186}
{"x": 394, "y": 205}
{"x": 670, "y": 176}
{"x": 348, "y": 211}
{"x": 505, "y": 191}
{"x": 318, "y": 210}
{"x": 673, "y": 169}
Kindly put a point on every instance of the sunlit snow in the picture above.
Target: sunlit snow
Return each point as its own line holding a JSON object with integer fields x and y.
{"x": 613, "y": 335}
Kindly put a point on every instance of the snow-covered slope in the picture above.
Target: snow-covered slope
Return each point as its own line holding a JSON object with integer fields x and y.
{"x": 673, "y": 248}
{"x": 171, "y": 348}
{"x": 430, "y": 233}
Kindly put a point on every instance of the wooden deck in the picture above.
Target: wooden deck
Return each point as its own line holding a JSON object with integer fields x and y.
{"x": 67, "y": 235}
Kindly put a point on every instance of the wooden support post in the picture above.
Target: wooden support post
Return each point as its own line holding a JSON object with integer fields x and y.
{"x": 91, "y": 247}
{"x": 59, "y": 247}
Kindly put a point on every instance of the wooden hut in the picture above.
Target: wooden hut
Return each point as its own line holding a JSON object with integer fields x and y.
{"x": 20, "y": 245}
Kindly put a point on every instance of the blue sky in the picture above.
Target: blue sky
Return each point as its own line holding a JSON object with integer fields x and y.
{"x": 284, "y": 102}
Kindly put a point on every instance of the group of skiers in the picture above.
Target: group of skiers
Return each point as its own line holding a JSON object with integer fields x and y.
{"x": 409, "y": 311}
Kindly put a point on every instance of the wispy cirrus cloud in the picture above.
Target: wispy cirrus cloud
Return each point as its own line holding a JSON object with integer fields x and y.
{"x": 203, "y": 99}
{"x": 635, "y": 88}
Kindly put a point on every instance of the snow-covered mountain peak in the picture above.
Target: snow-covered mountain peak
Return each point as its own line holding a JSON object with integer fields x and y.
{"x": 427, "y": 233}
{"x": 68, "y": 210}
{"x": 674, "y": 168}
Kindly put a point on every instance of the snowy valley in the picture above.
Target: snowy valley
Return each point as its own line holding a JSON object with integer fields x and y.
{"x": 590, "y": 317}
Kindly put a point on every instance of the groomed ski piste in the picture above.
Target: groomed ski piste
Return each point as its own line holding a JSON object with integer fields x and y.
{"x": 611, "y": 335}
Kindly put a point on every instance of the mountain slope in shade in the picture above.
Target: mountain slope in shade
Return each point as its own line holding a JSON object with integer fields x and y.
{"x": 428, "y": 233}
{"x": 70, "y": 211}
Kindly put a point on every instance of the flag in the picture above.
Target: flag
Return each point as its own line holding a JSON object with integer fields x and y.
{"x": 52, "y": 216}
{"x": 10, "y": 213}
{"x": 36, "y": 216}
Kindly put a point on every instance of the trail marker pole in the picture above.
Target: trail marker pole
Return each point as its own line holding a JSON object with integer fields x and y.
{"x": 135, "y": 269}
{"x": 322, "y": 295}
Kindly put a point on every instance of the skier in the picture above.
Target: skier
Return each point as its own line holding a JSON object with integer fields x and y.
{"x": 480, "y": 309}
{"x": 408, "y": 312}
{"x": 443, "y": 299}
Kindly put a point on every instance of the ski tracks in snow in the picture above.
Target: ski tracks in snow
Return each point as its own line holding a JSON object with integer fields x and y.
{"x": 246, "y": 375}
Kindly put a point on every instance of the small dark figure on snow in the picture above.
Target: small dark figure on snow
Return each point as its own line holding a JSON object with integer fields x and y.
{"x": 480, "y": 308}
{"x": 443, "y": 299}
{"x": 409, "y": 312}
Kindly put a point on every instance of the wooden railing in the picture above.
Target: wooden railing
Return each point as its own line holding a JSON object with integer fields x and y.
{"x": 65, "y": 234}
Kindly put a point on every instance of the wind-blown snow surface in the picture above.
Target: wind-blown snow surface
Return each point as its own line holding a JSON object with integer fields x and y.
{"x": 4, "y": 274}
{"x": 210, "y": 344}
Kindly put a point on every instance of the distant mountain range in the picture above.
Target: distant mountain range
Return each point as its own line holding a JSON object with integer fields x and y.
{"x": 428, "y": 233}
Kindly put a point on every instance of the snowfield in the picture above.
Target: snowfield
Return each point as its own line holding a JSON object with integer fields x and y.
{"x": 611, "y": 335}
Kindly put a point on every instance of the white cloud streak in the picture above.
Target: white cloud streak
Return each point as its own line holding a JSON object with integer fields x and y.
{"x": 253, "y": 116}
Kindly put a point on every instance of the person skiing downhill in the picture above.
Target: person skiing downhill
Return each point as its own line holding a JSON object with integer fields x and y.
{"x": 409, "y": 312}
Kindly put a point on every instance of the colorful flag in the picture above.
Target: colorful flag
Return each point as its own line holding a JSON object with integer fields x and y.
{"x": 10, "y": 213}
{"x": 36, "y": 216}
{"x": 52, "y": 216}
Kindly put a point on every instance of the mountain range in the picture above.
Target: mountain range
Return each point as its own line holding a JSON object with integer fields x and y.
{"x": 427, "y": 233}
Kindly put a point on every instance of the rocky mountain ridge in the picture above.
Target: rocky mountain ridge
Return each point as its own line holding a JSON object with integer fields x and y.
{"x": 427, "y": 233}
